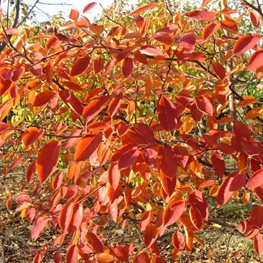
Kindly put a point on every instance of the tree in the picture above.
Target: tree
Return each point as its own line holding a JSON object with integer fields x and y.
{"x": 141, "y": 122}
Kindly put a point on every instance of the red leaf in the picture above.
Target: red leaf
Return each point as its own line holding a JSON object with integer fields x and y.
{"x": 150, "y": 234}
{"x": 151, "y": 51}
{"x": 94, "y": 242}
{"x": 219, "y": 70}
{"x": 201, "y": 15}
{"x": 258, "y": 244}
{"x": 145, "y": 219}
{"x": 30, "y": 172}
{"x": 127, "y": 67}
{"x": 245, "y": 43}
{"x": 204, "y": 105}
{"x": 163, "y": 37}
{"x": 123, "y": 252}
{"x": 43, "y": 98}
{"x": 187, "y": 41}
{"x": 39, "y": 256}
{"x": 94, "y": 108}
{"x": 167, "y": 114}
{"x": 178, "y": 240}
{"x": 231, "y": 184}
{"x": 98, "y": 64}
{"x": 127, "y": 156}
{"x": 80, "y": 65}
{"x": 256, "y": 218}
{"x": 47, "y": 160}
{"x": 72, "y": 86}
{"x": 57, "y": 257}
{"x": 87, "y": 146}
{"x": 139, "y": 134}
{"x": 142, "y": 258}
{"x": 39, "y": 226}
{"x": 167, "y": 169}
{"x": 76, "y": 218}
{"x": 89, "y": 6}
{"x": 210, "y": 30}
{"x": 256, "y": 61}
{"x": 114, "y": 175}
{"x": 195, "y": 217}
{"x": 173, "y": 212}
{"x": 197, "y": 200}
{"x": 74, "y": 14}
{"x": 143, "y": 8}
{"x": 31, "y": 135}
{"x": 254, "y": 19}
{"x": 256, "y": 180}
{"x": 65, "y": 217}
{"x": 218, "y": 164}
{"x": 72, "y": 254}
{"x": 114, "y": 105}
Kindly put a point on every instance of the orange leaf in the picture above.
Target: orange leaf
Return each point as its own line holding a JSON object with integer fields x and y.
{"x": 74, "y": 14}
{"x": 143, "y": 9}
{"x": 105, "y": 258}
{"x": 87, "y": 146}
{"x": 51, "y": 42}
{"x": 150, "y": 234}
{"x": 173, "y": 212}
{"x": 245, "y": 43}
{"x": 31, "y": 135}
{"x": 205, "y": 3}
{"x": 89, "y": 6}
{"x": 123, "y": 252}
{"x": 97, "y": 29}
{"x": 94, "y": 108}
{"x": 210, "y": 30}
{"x": 230, "y": 25}
{"x": 80, "y": 65}
{"x": 43, "y": 98}
{"x": 47, "y": 160}
{"x": 255, "y": 112}
{"x": 201, "y": 15}
{"x": 256, "y": 60}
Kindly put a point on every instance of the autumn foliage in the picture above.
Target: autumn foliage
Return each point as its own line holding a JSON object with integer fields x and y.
{"x": 139, "y": 123}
